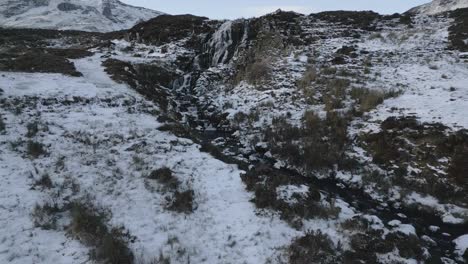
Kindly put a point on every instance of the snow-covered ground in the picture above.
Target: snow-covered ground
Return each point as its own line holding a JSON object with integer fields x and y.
{"x": 85, "y": 15}
{"x": 104, "y": 137}
{"x": 20, "y": 240}
{"x": 93, "y": 140}
{"x": 434, "y": 83}
{"x": 461, "y": 244}
{"x": 439, "y": 6}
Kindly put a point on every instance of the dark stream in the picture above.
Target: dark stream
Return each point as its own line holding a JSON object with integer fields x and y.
{"x": 363, "y": 203}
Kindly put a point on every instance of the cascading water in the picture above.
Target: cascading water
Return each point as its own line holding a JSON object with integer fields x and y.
{"x": 220, "y": 43}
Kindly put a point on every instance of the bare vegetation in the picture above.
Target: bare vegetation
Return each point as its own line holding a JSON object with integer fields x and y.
{"x": 44, "y": 182}
{"x": 309, "y": 76}
{"x": 458, "y": 170}
{"x": 369, "y": 99}
{"x": 259, "y": 72}
{"x": 336, "y": 93}
{"x": 164, "y": 176}
{"x": 90, "y": 226}
{"x": 263, "y": 181}
{"x": 33, "y": 129}
{"x": 317, "y": 144}
{"x": 314, "y": 247}
{"x": 35, "y": 149}
{"x": 404, "y": 142}
{"x": 44, "y": 216}
{"x": 183, "y": 202}
{"x": 177, "y": 129}
{"x": 38, "y": 61}
{"x": 2, "y": 124}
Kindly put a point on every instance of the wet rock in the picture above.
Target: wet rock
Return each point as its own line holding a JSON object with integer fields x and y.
{"x": 67, "y": 7}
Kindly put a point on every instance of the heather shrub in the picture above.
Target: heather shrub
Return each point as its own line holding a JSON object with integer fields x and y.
{"x": 35, "y": 149}
{"x": 165, "y": 176}
{"x": 2, "y": 124}
{"x": 258, "y": 72}
{"x": 317, "y": 144}
{"x": 44, "y": 182}
{"x": 309, "y": 76}
{"x": 183, "y": 202}
{"x": 33, "y": 129}
{"x": 458, "y": 170}
{"x": 44, "y": 216}
{"x": 314, "y": 247}
{"x": 90, "y": 225}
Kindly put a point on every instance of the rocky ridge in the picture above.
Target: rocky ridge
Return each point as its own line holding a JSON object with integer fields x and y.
{"x": 85, "y": 15}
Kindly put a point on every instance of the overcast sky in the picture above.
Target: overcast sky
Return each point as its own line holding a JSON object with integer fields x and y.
{"x": 220, "y": 9}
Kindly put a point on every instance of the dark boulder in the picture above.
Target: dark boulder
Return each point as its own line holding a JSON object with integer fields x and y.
{"x": 67, "y": 7}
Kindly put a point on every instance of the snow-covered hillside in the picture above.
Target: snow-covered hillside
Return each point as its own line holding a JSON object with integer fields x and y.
{"x": 337, "y": 137}
{"x": 85, "y": 15}
{"x": 106, "y": 140}
{"x": 439, "y": 6}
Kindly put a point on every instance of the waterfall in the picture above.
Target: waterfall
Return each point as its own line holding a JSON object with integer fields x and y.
{"x": 220, "y": 43}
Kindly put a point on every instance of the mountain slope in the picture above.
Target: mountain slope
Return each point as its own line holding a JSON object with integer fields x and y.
{"x": 86, "y": 15}
{"x": 439, "y": 6}
{"x": 337, "y": 137}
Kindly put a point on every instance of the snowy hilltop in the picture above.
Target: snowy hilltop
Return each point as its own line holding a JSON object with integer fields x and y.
{"x": 85, "y": 15}
{"x": 439, "y": 6}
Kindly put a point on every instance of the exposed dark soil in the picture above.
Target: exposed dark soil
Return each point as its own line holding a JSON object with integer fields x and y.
{"x": 38, "y": 61}
{"x": 42, "y": 37}
{"x": 69, "y": 53}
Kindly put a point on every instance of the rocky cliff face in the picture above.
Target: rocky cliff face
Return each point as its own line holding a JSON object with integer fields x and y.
{"x": 86, "y": 15}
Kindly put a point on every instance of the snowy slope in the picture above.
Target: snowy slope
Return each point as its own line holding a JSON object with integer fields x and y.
{"x": 107, "y": 139}
{"x": 86, "y": 15}
{"x": 225, "y": 228}
{"x": 439, "y": 6}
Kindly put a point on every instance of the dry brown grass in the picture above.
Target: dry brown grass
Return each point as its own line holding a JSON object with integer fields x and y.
{"x": 259, "y": 72}
{"x": 309, "y": 76}
{"x": 35, "y": 149}
{"x": 369, "y": 99}
{"x": 110, "y": 244}
{"x": 314, "y": 247}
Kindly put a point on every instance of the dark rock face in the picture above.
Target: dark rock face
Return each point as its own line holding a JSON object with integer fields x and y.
{"x": 18, "y": 7}
{"x": 39, "y": 38}
{"x": 284, "y": 23}
{"x": 150, "y": 80}
{"x": 27, "y": 50}
{"x": 458, "y": 32}
{"x": 166, "y": 28}
{"x": 107, "y": 10}
{"x": 66, "y": 7}
{"x": 361, "y": 19}
{"x": 38, "y": 61}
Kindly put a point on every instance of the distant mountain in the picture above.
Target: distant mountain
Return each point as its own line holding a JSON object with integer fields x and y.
{"x": 86, "y": 15}
{"x": 439, "y": 6}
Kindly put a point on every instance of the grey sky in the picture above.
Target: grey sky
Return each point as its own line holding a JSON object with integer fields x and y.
{"x": 247, "y": 8}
